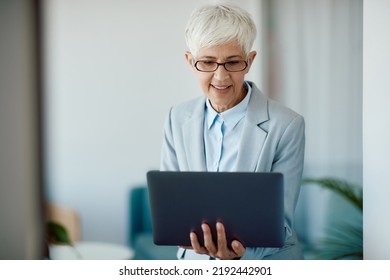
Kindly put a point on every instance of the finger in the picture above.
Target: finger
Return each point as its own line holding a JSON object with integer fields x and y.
{"x": 208, "y": 240}
{"x": 221, "y": 237}
{"x": 238, "y": 248}
{"x": 224, "y": 252}
{"x": 195, "y": 244}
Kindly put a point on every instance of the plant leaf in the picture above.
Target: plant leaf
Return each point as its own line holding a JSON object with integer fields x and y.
{"x": 351, "y": 192}
{"x": 57, "y": 233}
{"x": 343, "y": 241}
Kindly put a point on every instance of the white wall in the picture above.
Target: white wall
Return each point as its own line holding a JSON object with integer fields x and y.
{"x": 376, "y": 125}
{"x": 113, "y": 70}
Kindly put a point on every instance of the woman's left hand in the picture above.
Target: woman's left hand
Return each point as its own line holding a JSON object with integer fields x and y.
{"x": 219, "y": 250}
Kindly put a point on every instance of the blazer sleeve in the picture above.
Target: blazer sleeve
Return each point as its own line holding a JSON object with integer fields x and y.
{"x": 288, "y": 159}
{"x": 168, "y": 154}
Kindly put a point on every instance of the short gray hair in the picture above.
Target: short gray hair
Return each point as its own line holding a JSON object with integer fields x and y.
{"x": 213, "y": 25}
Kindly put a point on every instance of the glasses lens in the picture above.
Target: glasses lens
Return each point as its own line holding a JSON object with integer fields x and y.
{"x": 206, "y": 66}
{"x": 236, "y": 65}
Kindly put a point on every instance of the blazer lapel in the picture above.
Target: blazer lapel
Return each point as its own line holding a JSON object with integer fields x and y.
{"x": 253, "y": 136}
{"x": 193, "y": 138}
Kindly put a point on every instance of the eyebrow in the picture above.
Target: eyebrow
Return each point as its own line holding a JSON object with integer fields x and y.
{"x": 227, "y": 58}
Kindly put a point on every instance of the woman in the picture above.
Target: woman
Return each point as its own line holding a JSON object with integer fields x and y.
{"x": 234, "y": 127}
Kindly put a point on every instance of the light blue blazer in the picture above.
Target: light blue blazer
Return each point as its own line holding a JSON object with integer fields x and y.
{"x": 273, "y": 139}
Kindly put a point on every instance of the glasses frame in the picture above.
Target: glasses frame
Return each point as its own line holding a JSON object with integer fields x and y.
{"x": 195, "y": 63}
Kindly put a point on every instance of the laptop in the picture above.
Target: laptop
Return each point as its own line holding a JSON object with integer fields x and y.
{"x": 250, "y": 205}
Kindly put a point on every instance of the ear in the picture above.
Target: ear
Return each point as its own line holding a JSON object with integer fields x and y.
{"x": 189, "y": 59}
{"x": 251, "y": 57}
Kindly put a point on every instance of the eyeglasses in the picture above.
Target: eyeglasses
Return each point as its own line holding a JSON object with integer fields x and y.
{"x": 230, "y": 66}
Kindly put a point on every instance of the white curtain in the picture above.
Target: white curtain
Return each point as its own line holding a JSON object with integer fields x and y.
{"x": 314, "y": 66}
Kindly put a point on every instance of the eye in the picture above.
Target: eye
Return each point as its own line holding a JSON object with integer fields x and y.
{"x": 208, "y": 62}
{"x": 233, "y": 62}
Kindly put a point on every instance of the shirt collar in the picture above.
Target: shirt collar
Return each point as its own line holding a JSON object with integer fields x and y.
{"x": 231, "y": 116}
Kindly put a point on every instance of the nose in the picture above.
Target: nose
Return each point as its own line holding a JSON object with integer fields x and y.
{"x": 221, "y": 74}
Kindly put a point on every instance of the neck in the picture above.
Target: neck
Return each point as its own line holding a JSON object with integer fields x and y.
{"x": 221, "y": 109}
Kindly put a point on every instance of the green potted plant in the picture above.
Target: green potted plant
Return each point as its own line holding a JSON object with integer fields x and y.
{"x": 57, "y": 234}
{"x": 344, "y": 240}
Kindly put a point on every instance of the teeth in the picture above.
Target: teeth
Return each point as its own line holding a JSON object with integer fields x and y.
{"x": 217, "y": 87}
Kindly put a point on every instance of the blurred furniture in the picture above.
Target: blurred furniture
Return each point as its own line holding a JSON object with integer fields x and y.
{"x": 67, "y": 217}
{"x": 140, "y": 229}
{"x": 83, "y": 250}
{"x": 90, "y": 251}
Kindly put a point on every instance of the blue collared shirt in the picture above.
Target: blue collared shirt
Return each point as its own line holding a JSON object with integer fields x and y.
{"x": 222, "y": 133}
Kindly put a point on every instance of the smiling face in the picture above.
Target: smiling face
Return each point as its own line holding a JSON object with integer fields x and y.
{"x": 223, "y": 88}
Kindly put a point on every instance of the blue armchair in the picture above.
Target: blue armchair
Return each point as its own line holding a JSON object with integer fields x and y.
{"x": 140, "y": 233}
